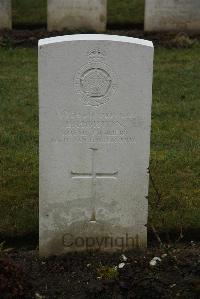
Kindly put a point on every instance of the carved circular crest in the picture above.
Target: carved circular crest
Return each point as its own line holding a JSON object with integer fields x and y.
{"x": 95, "y": 82}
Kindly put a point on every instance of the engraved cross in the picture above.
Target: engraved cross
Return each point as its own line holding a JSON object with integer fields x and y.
{"x": 94, "y": 175}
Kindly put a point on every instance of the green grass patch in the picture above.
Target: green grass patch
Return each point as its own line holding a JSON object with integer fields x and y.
{"x": 125, "y": 13}
{"x": 34, "y": 12}
{"x": 29, "y": 13}
{"x": 174, "y": 143}
{"x": 19, "y": 141}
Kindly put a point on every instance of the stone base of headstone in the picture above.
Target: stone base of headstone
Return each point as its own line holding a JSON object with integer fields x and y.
{"x": 172, "y": 15}
{"x": 5, "y": 14}
{"x": 75, "y": 15}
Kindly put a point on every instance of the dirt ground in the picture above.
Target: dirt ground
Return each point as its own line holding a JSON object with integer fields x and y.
{"x": 175, "y": 274}
{"x": 29, "y": 38}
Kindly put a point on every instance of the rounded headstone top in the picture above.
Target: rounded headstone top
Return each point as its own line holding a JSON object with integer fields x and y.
{"x": 94, "y": 37}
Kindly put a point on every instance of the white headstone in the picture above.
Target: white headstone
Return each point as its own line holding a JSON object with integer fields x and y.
{"x": 5, "y": 14}
{"x": 172, "y": 15}
{"x": 95, "y": 114}
{"x": 77, "y": 15}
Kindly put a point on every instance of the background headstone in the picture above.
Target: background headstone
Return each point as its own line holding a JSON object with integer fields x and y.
{"x": 95, "y": 114}
{"x": 77, "y": 15}
{"x": 172, "y": 15}
{"x": 5, "y": 14}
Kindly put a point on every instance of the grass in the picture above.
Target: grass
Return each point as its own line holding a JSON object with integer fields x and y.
{"x": 174, "y": 144}
{"x": 125, "y": 13}
{"x": 29, "y": 13}
{"x": 19, "y": 140}
{"x": 34, "y": 12}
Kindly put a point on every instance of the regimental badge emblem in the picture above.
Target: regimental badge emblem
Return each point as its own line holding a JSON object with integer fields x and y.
{"x": 95, "y": 82}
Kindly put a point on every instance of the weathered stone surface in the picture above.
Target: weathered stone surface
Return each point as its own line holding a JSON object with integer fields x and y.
{"x": 95, "y": 113}
{"x": 172, "y": 15}
{"x": 77, "y": 15}
{"x": 5, "y": 14}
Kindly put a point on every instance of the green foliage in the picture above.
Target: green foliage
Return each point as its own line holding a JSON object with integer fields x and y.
{"x": 6, "y": 42}
{"x": 107, "y": 272}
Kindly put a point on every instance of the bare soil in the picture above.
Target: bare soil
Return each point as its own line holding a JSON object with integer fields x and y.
{"x": 29, "y": 38}
{"x": 97, "y": 275}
